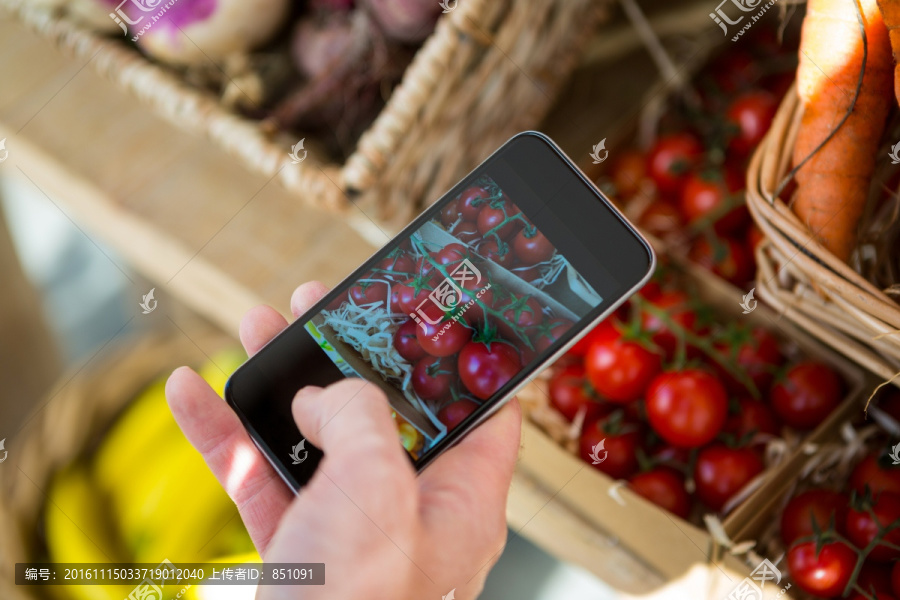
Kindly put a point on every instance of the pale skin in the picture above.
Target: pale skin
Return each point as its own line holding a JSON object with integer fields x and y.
{"x": 381, "y": 531}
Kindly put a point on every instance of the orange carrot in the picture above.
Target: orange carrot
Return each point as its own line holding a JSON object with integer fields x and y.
{"x": 890, "y": 12}
{"x": 834, "y": 182}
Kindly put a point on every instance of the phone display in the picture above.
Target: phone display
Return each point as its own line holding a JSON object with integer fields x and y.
{"x": 453, "y": 315}
{"x": 447, "y": 318}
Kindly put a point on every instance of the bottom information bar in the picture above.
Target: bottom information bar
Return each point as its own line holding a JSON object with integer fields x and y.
{"x": 167, "y": 573}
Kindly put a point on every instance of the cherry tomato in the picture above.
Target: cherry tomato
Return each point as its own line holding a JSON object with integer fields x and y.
{"x": 824, "y": 506}
{"x": 686, "y": 408}
{"x": 455, "y": 413}
{"x": 751, "y": 115}
{"x": 878, "y": 474}
{"x": 676, "y": 305}
{"x": 531, "y": 247}
{"x": 874, "y": 577}
{"x": 432, "y": 377}
{"x": 486, "y": 367}
{"x": 451, "y": 254}
{"x": 806, "y": 394}
{"x": 523, "y": 313}
{"x": 664, "y": 487}
{"x": 492, "y": 215}
{"x": 450, "y": 213}
{"x": 755, "y": 237}
{"x": 470, "y": 202}
{"x": 619, "y": 369}
{"x": 708, "y": 196}
{"x": 727, "y": 258}
{"x": 603, "y": 329}
{"x": 549, "y": 332}
{"x": 407, "y": 344}
{"x": 438, "y": 341}
{"x": 825, "y": 573}
{"x": 570, "y": 392}
{"x": 755, "y": 353}
{"x": 620, "y": 441}
{"x": 412, "y": 292}
{"x": 501, "y": 254}
{"x": 466, "y": 232}
{"x": 721, "y": 472}
{"x": 752, "y": 417}
{"x": 395, "y": 267}
{"x": 862, "y": 526}
{"x": 671, "y": 159}
{"x": 628, "y": 170}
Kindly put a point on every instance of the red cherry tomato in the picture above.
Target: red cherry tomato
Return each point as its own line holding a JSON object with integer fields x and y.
{"x": 407, "y": 344}
{"x": 806, "y": 394}
{"x": 435, "y": 339}
{"x": 671, "y": 159}
{"x": 862, "y": 526}
{"x": 486, "y": 367}
{"x": 520, "y": 316}
{"x": 531, "y": 247}
{"x": 451, "y": 254}
{"x": 501, "y": 254}
{"x": 454, "y": 413}
{"x": 727, "y": 258}
{"x": 450, "y": 213}
{"x": 618, "y": 455}
{"x": 824, "y": 506}
{"x": 627, "y": 171}
{"x": 432, "y": 377}
{"x": 676, "y": 305}
{"x": 721, "y": 472}
{"x": 492, "y": 215}
{"x": 708, "y": 196}
{"x": 686, "y": 408}
{"x": 412, "y": 292}
{"x": 619, "y": 369}
{"x": 664, "y": 487}
{"x": 470, "y": 202}
{"x": 750, "y": 114}
{"x": 875, "y": 577}
{"x": 661, "y": 218}
{"x": 466, "y": 232}
{"x": 752, "y": 417}
{"x": 569, "y": 393}
{"x": 876, "y": 474}
{"x": 397, "y": 267}
{"x": 369, "y": 292}
{"x": 605, "y": 328}
{"x": 549, "y": 332}
{"x": 755, "y": 353}
{"x": 825, "y": 573}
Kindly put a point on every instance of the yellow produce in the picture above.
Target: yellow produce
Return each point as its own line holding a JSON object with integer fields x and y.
{"x": 226, "y": 592}
{"x": 220, "y": 367}
{"x": 77, "y": 531}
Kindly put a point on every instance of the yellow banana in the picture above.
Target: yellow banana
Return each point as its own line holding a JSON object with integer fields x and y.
{"x": 77, "y": 531}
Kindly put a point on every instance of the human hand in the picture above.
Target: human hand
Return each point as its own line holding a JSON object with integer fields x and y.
{"x": 381, "y": 531}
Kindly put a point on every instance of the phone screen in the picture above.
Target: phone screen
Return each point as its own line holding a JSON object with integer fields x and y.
{"x": 453, "y": 314}
{"x": 448, "y": 317}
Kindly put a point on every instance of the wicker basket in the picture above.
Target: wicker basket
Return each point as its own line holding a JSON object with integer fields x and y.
{"x": 803, "y": 280}
{"x": 75, "y": 416}
{"x": 489, "y": 70}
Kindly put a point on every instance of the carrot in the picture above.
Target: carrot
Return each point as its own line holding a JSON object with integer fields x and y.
{"x": 842, "y": 114}
{"x": 890, "y": 12}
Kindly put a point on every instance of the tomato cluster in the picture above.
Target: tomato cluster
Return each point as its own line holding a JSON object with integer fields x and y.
{"x": 689, "y": 182}
{"x": 846, "y": 544}
{"x": 674, "y": 394}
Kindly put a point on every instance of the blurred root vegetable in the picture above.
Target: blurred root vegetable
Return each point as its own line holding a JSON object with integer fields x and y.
{"x": 405, "y": 21}
{"x": 191, "y": 32}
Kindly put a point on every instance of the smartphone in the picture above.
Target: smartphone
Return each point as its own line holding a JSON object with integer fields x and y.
{"x": 453, "y": 316}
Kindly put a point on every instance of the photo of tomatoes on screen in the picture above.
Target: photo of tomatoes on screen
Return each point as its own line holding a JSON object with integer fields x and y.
{"x": 454, "y": 313}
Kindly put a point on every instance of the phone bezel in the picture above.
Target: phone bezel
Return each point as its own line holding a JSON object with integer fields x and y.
{"x": 526, "y": 376}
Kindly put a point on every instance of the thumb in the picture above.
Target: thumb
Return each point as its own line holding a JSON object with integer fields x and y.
{"x": 350, "y": 421}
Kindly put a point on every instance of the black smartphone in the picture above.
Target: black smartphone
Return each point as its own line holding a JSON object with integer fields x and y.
{"x": 486, "y": 287}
